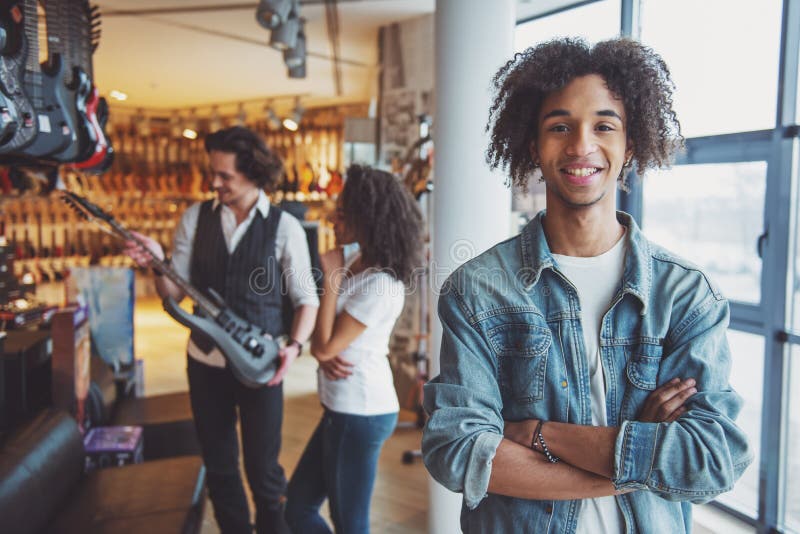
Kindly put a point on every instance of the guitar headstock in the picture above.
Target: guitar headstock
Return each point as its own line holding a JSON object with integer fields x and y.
{"x": 84, "y": 208}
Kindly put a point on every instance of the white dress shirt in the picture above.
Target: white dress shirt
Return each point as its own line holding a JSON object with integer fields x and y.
{"x": 291, "y": 252}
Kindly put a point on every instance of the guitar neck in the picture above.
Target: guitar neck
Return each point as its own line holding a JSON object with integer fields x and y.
{"x": 209, "y": 307}
{"x": 33, "y": 74}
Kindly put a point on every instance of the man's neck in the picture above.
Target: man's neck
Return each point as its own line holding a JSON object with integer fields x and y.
{"x": 241, "y": 209}
{"x": 581, "y": 232}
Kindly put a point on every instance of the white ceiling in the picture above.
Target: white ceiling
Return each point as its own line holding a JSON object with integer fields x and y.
{"x": 181, "y": 61}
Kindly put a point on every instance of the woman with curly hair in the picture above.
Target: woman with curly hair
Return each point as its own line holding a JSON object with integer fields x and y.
{"x": 362, "y": 298}
{"x": 590, "y": 395}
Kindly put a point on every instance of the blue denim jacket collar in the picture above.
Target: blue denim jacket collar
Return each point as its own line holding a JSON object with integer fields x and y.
{"x": 636, "y": 280}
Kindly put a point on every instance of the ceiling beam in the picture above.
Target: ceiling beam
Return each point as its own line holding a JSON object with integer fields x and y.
{"x": 203, "y": 8}
{"x": 238, "y": 38}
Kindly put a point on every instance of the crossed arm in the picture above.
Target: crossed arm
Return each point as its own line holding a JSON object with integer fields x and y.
{"x": 586, "y": 452}
{"x": 468, "y": 448}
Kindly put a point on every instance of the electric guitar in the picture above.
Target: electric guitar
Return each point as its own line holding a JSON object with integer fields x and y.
{"x": 252, "y": 356}
{"x": 44, "y": 85}
{"x": 77, "y": 89}
{"x": 13, "y": 54}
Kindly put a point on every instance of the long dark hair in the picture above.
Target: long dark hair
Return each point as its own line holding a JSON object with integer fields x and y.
{"x": 385, "y": 219}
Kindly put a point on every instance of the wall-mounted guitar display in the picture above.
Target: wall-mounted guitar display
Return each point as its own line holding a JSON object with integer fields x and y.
{"x": 49, "y": 108}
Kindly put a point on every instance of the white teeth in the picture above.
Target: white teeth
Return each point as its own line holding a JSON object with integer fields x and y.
{"x": 586, "y": 171}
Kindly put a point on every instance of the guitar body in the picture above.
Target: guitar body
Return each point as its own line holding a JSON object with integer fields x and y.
{"x": 50, "y": 102}
{"x": 80, "y": 89}
{"x": 12, "y": 69}
{"x": 101, "y": 145}
{"x": 253, "y": 367}
{"x": 9, "y": 120}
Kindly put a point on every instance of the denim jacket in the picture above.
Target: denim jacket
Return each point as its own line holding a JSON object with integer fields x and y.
{"x": 512, "y": 349}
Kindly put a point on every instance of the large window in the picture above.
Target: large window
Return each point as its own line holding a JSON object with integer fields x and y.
{"x": 792, "y": 493}
{"x": 712, "y": 215}
{"x": 724, "y": 58}
{"x": 594, "y": 22}
{"x": 747, "y": 379}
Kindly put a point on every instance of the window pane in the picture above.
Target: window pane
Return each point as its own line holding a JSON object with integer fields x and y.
{"x": 711, "y": 215}
{"x": 747, "y": 379}
{"x": 594, "y": 22}
{"x": 792, "y": 460}
{"x": 794, "y": 287}
{"x": 723, "y": 56}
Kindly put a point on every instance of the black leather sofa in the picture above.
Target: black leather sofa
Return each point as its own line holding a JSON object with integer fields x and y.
{"x": 43, "y": 488}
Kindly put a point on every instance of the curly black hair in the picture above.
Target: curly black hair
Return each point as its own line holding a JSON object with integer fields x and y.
{"x": 258, "y": 163}
{"x": 386, "y": 220}
{"x": 633, "y": 72}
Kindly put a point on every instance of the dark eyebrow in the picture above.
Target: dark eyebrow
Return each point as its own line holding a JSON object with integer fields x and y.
{"x": 556, "y": 113}
{"x": 609, "y": 113}
{"x": 565, "y": 113}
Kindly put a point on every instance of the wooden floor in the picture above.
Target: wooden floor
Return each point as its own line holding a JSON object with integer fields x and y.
{"x": 400, "y": 499}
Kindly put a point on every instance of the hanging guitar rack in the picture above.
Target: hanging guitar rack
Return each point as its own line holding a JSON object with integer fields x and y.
{"x": 50, "y": 112}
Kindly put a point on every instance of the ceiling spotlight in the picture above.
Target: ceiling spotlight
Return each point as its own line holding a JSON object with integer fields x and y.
{"x": 215, "y": 122}
{"x": 241, "y": 116}
{"x": 285, "y": 35}
{"x": 118, "y": 95}
{"x": 272, "y": 13}
{"x": 290, "y": 124}
{"x": 188, "y": 133}
{"x": 293, "y": 121}
{"x": 298, "y": 71}
{"x": 296, "y": 56}
{"x": 273, "y": 122}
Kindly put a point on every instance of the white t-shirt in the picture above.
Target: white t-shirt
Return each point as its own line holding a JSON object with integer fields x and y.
{"x": 376, "y": 300}
{"x": 597, "y": 280}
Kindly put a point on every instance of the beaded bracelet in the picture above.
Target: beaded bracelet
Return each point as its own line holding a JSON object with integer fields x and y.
{"x": 545, "y": 450}
{"x": 534, "y": 438}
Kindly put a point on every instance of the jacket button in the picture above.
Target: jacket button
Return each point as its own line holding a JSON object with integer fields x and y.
{"x": 549, "y": 509}
{"x": 563, "y": 383}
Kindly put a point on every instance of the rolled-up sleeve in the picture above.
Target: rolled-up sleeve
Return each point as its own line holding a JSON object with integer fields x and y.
{"x": 465, "y": 425}
{"x": 704, "y": 452}
{"x": 295, "y": 262}
{"x": 183, "y": 241}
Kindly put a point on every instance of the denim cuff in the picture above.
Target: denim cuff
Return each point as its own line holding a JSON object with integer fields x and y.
{"x": 634, "y": 452}
{"x": 479, "y": 468}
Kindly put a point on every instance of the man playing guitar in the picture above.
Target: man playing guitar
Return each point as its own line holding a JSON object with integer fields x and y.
{"x": 248, "y": 251}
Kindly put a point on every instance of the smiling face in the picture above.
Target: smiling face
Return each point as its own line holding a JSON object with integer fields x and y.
{"x": 581, "y": 144}
{"x": 233, "y": 189}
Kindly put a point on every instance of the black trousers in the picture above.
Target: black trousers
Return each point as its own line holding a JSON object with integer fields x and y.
{"x": 215, "y": 395}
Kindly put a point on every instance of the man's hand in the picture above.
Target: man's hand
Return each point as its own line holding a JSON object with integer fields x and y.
{"x": 137, "y": 252}
{"x": 287, "y": 355}
{"x": 666, "y": 404}
{"x": 336, "y": 368}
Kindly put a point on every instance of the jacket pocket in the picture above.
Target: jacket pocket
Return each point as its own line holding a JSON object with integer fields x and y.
{"x": 521, "y": 351}
{"x": 642, "y": 369}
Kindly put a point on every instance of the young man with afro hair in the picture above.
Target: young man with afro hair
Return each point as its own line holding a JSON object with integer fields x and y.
{"x": 584, "y": 381}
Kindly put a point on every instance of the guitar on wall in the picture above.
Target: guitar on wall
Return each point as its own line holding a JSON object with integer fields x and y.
{"x": 253, "y": 357}
{"x": 13, "y": 55}
{"x": 77, "y": 87}
{"x": 45, "y": 86}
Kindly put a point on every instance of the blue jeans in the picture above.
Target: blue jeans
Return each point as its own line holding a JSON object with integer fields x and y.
{"x": 339, "y": 463}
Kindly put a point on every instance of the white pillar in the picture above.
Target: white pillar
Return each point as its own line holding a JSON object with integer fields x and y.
{"x": 472, "y": 206}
